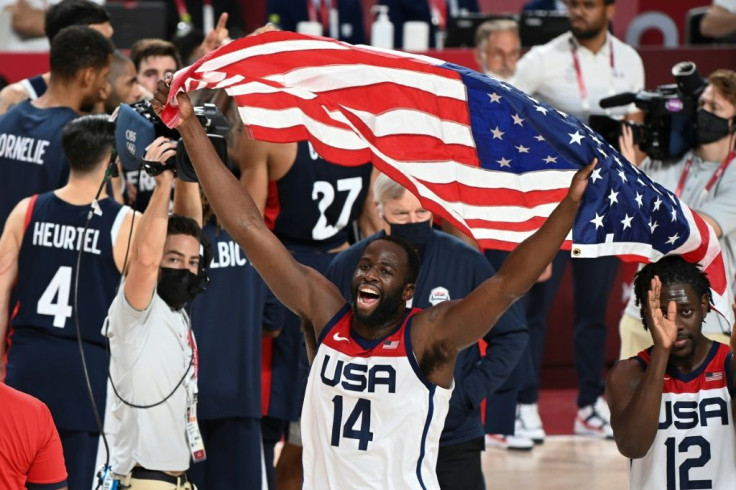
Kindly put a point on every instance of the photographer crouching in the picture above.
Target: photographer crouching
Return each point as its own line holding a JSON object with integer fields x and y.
{"x": 705, "y": 179}
{"x": 153, "y": 353}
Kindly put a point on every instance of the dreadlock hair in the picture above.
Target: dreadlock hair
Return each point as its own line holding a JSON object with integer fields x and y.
{"x": 672, "y": 269}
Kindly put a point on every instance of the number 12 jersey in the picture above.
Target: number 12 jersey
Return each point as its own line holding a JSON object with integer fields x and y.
{"x": 695, "y": 445}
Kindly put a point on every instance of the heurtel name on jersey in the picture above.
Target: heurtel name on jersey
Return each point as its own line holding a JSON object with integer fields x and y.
{"x": 55, "y": 235}
{"x": 23, "y": 148}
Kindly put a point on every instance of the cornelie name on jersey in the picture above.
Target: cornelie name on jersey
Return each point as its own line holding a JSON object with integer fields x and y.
{"x": 22, "y": 148}
{"x": 689, "y": 414}
{"x": 359, "y": 377}
{"x": 54, "y": 235}
{"x": 228, "y": 254}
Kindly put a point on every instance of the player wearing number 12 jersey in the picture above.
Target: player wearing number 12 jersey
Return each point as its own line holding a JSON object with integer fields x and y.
{"x": 39, "y": 248}
{"x": 382, "y": 284}
{"x": 672, "y": 408}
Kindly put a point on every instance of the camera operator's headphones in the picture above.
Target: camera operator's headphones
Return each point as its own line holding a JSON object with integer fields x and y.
{"x": 205, "y": 257}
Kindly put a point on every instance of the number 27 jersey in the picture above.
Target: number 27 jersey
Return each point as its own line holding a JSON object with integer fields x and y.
{"x": 695, "y": 445}
{"x": 371, "y": 419}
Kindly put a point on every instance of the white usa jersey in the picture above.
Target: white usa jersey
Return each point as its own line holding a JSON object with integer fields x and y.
{"x": 371, "y": 419}
{"x": 695, "y": 445}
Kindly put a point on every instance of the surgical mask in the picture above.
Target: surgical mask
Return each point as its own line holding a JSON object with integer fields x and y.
{"x": 710, "y": 127}
{"x": 177, "y": 286}
{"x": 418, "y": 234}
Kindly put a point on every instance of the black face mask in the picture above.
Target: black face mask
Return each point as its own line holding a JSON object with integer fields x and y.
{"x": 418, "y": 234}
{"x": 710, "y": 127}
{"x": 178, "y": 286}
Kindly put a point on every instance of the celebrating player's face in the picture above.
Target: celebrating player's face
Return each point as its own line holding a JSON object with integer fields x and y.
{"x": 378, "y": 284}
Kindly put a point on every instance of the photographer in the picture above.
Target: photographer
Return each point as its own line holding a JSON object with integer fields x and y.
{"x": 705, "y": 179}
{"x": 154, "y": 360}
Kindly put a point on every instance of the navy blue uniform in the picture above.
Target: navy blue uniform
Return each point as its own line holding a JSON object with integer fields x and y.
{"x": 31, "y": 157}
{"x": 451, "y": 270}
{"x": 43, "y": 357}
{"x": 288, "y": 13}
{"x": 227, "y": 322}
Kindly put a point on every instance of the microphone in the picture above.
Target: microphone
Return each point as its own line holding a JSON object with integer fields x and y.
{"x": 625, "y": 98}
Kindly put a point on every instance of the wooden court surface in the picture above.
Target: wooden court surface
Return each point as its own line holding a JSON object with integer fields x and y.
{"x": 561, "y": 463}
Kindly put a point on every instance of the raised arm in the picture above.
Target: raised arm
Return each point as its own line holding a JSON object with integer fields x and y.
{"x": 147, "y": 248}
{"x": 10, "y": 243}
{"x": 303, "y": 290}
{"x": 635, "y": 396}
{"x": 459, "y": 324}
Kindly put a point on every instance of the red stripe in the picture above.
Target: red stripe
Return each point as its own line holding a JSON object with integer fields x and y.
{"x": 266, "y": 373}
{"x": 29, "y": 212}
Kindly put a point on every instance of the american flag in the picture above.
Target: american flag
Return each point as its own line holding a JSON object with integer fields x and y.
{"x": 480, "y": 153}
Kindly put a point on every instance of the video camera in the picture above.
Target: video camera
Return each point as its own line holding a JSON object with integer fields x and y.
{"x": 138, "y": 125}
{"x": 669, "y": 123}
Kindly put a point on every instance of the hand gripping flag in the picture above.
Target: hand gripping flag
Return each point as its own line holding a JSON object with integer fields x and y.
{"x": 480, "y": 153}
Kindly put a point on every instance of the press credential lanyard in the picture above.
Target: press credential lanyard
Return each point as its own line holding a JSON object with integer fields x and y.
{"x": 713, "y": 178}
{"x": 194, "y": 436}
{"x": 584, "y": 99}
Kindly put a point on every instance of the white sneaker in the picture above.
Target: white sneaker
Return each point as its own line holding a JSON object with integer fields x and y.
{"x": 510, "y": 442}
{"x": 528, "y": 423}
{"x": 594, "y": 420}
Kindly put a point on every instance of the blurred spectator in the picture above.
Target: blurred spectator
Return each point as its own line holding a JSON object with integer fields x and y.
{"x": 29, "y": 444}
{"x": 720, "y": 20}
{"x": 498, "y": 48}
{"x": 342, "y": 20}
{"x": 28, "y": 24}
{"x": 64, "y": 14}
{"x": 545, "y": 5}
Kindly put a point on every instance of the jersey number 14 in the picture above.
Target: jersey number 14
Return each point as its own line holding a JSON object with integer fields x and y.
{"x": 360, "y": 416}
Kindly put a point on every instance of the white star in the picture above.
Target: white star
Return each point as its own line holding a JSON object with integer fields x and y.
{"x": 504, "y": 85}
{"x": 550, "y": 159}
{"x": 657, "y": 204}
{"x": 517, "y": 119}
{"x": 638, "y": 199}
{"x": 495, "y": 98}
{"x": 503, "y": 162}
{"x": 497, "y": 134}
{"x": 594, "y": 138}
{"x": 672, "y": 198}
{"x": 636, "y": 169}
{"x": 652, "y": 226}
{"x": 622, "y": 175}
{"x": 671, "y": 240}
{"x": 597, "y": 221}
{"x": 613, "y": 197}
{"x": 674, "y": 214}
{"x": 639, "y": 181}
{"x": 627, "y": 221}
{"x": 522, "y": 149}
{"x": 596, "y": 175}
{"x": 541, "y": 109}
{"x": 561, "y": 113}
{"x": 615, "y": 158}
{"x": 600, "y": 150}
{"x": 539, "y": 137}
{"x": 576, "y": 138}
{"x": 654, "y": 188}
{"x": 536, "y": 102}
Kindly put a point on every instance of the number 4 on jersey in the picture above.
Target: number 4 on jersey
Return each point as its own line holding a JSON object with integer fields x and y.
{"x": 58, "y": 289}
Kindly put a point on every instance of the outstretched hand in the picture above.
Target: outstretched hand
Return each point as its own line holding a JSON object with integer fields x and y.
{"x": 663, "y": 328}
{"x": 580, "y": 182}
{"x": 216, "y": 37}
{"x": 161, "y": 95}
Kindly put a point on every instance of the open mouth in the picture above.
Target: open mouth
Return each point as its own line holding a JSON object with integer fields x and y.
{"x": 368, "y": 296}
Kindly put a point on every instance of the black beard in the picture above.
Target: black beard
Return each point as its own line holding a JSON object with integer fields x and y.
{"x": 87, "y": 107}
{"x": 385, "y": 311}
{"x": 586, "y": 34}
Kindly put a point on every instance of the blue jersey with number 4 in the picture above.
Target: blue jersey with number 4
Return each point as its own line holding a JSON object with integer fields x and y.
{"x": 695, "y": 445}
{"x": 313, "y": 203}
{"x": 43, "y": 357}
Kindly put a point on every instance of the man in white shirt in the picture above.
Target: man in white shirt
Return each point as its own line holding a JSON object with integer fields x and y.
{"x": 573, "y": 72}
{"x": 720, "y": 20}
